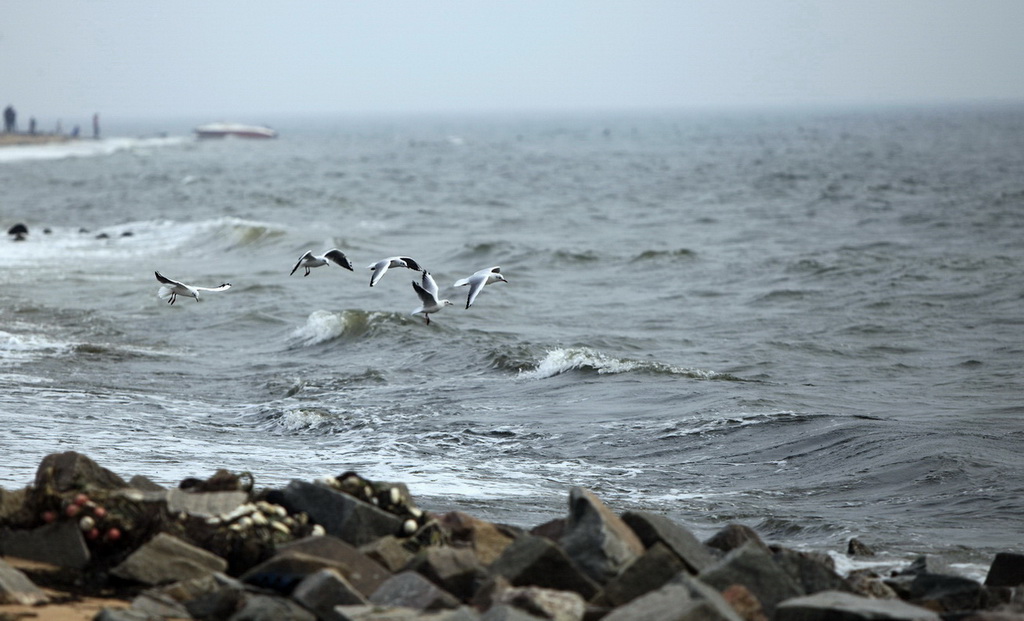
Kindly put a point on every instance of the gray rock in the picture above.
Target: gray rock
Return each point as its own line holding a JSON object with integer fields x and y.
{"x": 839, "y": 606}
{"x": 856, "y": 547}
{"x": 60, "y": 544}
{"x": 172, "y": 600}
{"x": 599, "y": 542}
{"x": 341, "y": 515}
{"x": 262, "y": 607}
{"x": 926, "y": 564}
{"x": 126, "y": 614}
{"x": 323, "y": 590}
{"x": 397, "y": 613}
{"x": 945, "y": 593}
{"x": 537, "y": 561}
{"x": 71, "y": 471}
{"x": 364, "y": 573}
{"x": 165, "y": 558}
{"x": 652, "y": 528}
{"x": 651, "y": 571}
{"x": 282, "y": 572}
{"x": 144, "y": 483}
{"x": 733, "y": 536}
{"x": 411, "y": 590}
{"x": 389, "y": 552}
{"x": 16, "y": 588}
{"x": 545, "y": 603}
{"x": 504, "y": 612}
{"x": 753, "y": 566}
{"x": 455, "y": 570}
{"x": 685, "y": 598}
{"x": 813, "y": 572}
{"x": 1007, "y": 570}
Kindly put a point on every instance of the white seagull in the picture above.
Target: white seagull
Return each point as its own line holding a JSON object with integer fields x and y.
{"x": 310, "y": 260}
{"x": 477, "y": 281}
{"x": 171, "y": 289}
{"x": 428, "y": 296}
{"x": 382, "y": 266}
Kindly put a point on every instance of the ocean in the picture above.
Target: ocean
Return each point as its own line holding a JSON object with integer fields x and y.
{"x": 806, "y": 321}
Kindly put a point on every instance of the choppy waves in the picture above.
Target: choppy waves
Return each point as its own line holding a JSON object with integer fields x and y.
{"x": 587, "y": 360}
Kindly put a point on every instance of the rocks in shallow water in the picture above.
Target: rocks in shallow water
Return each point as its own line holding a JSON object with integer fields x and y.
{"x": 732, "y": 536}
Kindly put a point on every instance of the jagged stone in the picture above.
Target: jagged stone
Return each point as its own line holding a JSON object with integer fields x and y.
{"x": 505, "y": 612}
{"x": 321, "y": 591}
{"x": 945, "y": 593}
{"x": 341, "y": 515}
{"x": 537, "y": 561}
{"x": 16, "y": 588}
{"x": 487, "y": 539}
{"x": 545, "y": 603}
{"x": 732, "y": 536}
{"x": 552, "y": 529}
{"x": 813, "y": 572}
{"x": 926, "y": 564}
{"x": 263, "y": 607}
{"x": 856, "y": 547}
{"x": 165, "y": 558}
{"x": 283, "y": 571}
{"x": 684, "y": 598}
{"x": 412, "y": 590}
{"x": 144, "y": 483}
{"x": 653, "y": 569}
{"x": 172, "y": 600}
{"x": 599, "y": 542}
{"x": 744, "y": 603}
{"x": 455, "y": 570}
{"x": 867, "y": 583}
{"x": 364, "y": 573}
{"x": 753, "y": 566}
{"x": 71, "y": 471}
{"x": 13, "y": 508}
{"x": 652, "y": 528}
{"x": 399, "y": 613}
{"x": 389, "y": 552}
{"x": 1007, "y": 570}
{"x": 840, "y": 606}
{"x": 126, "y": 614}
{"x": 60, "y": 544}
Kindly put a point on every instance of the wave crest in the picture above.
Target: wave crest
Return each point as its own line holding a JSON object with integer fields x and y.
{"x": 558, "y": 361}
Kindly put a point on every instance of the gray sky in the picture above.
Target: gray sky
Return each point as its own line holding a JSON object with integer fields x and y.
{"x": 153, "y": 58}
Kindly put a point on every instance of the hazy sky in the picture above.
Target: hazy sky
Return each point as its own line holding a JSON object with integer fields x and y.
{"x": 245, "y": 59}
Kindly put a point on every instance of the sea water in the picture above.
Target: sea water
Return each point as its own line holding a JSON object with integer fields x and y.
{"x": 809, "y": 322}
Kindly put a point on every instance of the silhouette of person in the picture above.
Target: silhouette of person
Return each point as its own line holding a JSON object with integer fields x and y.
{"x": 32, "y": 125}
{"x": 96, "y": 125}
{"x": 10, "y": 119}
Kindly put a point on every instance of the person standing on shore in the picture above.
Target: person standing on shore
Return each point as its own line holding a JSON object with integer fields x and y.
{"x": 96, "y": 125}
{"x": 10, "y": 120}
{"x": 32, "y": 125}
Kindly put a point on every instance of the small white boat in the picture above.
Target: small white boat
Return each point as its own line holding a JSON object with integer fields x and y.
{"x": 239, "y": 130}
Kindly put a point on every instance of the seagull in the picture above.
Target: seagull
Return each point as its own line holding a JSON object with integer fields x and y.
{"x": 477, "y": 281}
{"x": 171, "y": 289}
{"x": 382, "y": 266}
{"x": 428, "y": 296}
{"x": 310, "y": 260}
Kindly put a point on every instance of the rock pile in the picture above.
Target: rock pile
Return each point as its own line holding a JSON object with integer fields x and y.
{"x": 345, "y": 548}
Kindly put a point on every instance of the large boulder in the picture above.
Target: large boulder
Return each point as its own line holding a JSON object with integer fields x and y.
{"x": 71, "y": 471}
{"x": 1007, "y": 570}
{"x": 538, "y": 561}
{"x": 165, "y": 558}
{"x": 753, "y": 566}
{"x": 682, "y": 599}
{"x": 359, "y": 569}
{"x": 656, "y": 567}
{"x": 596, "y": 539}
{"x": 839, "y": 606}
{"x": 16, "y": 588}
{"x": 653, "y": 528}
{"x": 341, "y": 515}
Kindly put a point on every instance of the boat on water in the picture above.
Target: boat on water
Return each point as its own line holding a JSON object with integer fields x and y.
{"x": 239, "y": 130}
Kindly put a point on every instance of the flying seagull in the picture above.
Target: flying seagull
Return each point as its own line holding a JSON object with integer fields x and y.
{"x": 477, "y": 281}
{"x": 310, "y": 260}
{"x": 428, "y": 296}
{"x": 171, "y": 289}
{"x": 382, "y": 266}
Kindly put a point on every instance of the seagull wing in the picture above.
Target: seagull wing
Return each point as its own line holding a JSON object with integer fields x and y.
{"x": 167, "y": 281}
{"x": 339, "y": 258}
{"x": 429, "y": 284}
{"x": 426, "y": 297}
{"x": 476, "y": 284}
{"x": 223, "y": 287}
{"x": 409, "y": 263}
{"x": 378, "y": 270}
{"x": 301, "y": 259}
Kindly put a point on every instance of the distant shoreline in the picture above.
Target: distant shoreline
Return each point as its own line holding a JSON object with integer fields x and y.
{"x": 17, "y": 139}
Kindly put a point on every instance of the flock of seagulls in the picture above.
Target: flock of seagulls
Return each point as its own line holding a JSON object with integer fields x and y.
{"x": 426, "y": 288}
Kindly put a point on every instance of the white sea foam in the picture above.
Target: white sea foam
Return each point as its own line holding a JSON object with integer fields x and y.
{"x": 17, "y": 348}
{"x": 84, "y": 148}
{"x": 558, "y": 361}
{"x": 321, "y": 326}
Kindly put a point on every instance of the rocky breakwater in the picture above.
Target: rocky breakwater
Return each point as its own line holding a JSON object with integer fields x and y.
{"x": 345, "y": 548}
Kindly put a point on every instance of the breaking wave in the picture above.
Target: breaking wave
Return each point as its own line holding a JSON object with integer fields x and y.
{"x": 558, "y": 361}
